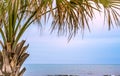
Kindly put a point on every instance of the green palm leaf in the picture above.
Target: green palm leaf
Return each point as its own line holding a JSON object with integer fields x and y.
{"x": 111, "y": 12}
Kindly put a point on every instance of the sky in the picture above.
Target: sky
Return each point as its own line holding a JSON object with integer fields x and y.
{"x": 100, "y": 46}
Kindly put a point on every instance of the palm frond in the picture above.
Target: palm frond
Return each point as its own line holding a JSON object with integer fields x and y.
{"x": 72, "y": 16}
{"x": 111, "y": 12}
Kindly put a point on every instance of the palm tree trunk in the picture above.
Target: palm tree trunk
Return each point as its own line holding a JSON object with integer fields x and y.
{"x": 11, "y": 60}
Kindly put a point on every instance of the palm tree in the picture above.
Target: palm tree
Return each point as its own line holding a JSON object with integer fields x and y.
{"x": 68, "y": 17}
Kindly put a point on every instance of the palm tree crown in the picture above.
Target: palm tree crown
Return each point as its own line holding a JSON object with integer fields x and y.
{"x": 68, "y": 16}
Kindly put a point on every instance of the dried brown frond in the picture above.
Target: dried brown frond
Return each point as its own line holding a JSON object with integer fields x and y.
{"x": 72, "y": 16}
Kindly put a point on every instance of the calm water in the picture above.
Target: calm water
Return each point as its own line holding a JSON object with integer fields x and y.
{"x": 80, "y": 70}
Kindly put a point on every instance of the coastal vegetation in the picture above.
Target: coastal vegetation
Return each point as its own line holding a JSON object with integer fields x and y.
{"x": 67, "y": 17}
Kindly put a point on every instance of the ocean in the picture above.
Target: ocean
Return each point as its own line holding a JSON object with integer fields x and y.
{"x": 71, "y": 70}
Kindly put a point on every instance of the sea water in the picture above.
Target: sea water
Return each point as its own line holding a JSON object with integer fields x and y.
{"x": 71, "y": 69}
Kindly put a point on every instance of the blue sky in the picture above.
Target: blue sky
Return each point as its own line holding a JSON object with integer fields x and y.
{"x": 99, "y": 46}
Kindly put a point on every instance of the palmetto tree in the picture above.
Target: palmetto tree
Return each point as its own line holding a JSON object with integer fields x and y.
{"x": 68, "y": 17}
